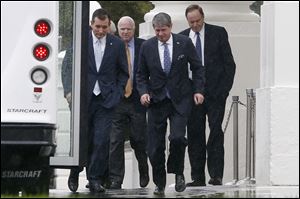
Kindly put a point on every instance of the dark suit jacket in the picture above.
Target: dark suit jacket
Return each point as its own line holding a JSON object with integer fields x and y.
{"x": 112, "y": 75}
{"x": 151, "y": 78}
{"x": 219, "y": 63}
{"x": 136, "y": 97}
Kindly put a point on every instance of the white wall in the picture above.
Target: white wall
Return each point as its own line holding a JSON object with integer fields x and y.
{"x": 277, "y": 147}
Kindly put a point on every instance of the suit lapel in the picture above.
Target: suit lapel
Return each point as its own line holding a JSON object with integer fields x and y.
{"x": 206, "y": 41}
{"x": 91, "y": 53}
{"x": 107, "y": 51}
{"x": 176, "y": 48}
{"x": 137, "y": 46}
{"x": 176, "y": 51}
{"x": 156, "y": 55}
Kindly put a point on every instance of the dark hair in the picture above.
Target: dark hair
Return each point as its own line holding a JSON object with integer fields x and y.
{"x": 192, "y": 8}
{"x": 161, "y": 19}
{"x": 101, "y": 14}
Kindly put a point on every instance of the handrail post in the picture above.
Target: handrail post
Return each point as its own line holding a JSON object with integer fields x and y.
{"x": 248, "y": 134}
{"x": 253, "y": 136}
{"x": 250, "y": 144}
{"x": 235, "y": 100}
{"x": 235, "y": 109}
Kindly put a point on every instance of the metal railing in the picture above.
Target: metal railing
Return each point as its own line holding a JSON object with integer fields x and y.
{"x": 250, "y": 139}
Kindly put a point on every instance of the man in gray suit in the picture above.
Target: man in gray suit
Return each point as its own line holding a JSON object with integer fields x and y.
{"x": 165, "y": 88}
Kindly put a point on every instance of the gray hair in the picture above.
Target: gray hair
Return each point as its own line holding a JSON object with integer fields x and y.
{"x": 161, "y": 19}
{"x": 126, "y": 18}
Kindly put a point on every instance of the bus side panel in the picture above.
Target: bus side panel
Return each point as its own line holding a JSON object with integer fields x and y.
{"x": 23, "y": 101}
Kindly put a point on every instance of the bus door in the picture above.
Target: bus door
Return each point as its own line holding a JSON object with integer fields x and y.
{"x": 71, "y": 134}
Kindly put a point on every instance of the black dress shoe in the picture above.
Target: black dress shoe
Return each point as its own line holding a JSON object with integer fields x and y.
{"x": 144, "y": 179}
{"x": 106, "y": 183}
{"x": 196, "y": 183}
{"x": 96, "y": 187}
{"x": 73, "y": 181}
{"x": 159, "y": 191}
{"x": 87, "y": 185}
{"x": 115, "y": 185}
{"x": 215, "y": 181}
{"x": 180, "y": 183}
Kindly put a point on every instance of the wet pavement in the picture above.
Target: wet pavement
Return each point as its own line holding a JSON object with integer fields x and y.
{"x": 190, "y": 192}
{"x": 225, "y": 191}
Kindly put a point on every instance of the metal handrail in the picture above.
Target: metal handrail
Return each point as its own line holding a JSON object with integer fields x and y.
{"x": 250, "y": 139}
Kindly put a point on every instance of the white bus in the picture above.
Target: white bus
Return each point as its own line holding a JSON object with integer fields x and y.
{"x": 30, "y": 75}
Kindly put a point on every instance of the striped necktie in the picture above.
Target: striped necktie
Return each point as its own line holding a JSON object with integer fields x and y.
{"x": 167, "y": 59}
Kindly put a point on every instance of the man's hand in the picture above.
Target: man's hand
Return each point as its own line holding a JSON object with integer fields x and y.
{"x": 198, "y": 98}
{"x": 145, "y": 100}
{"x": 69, "y": 97}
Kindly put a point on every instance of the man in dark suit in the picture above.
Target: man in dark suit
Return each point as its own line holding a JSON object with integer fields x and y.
{"x": 213, "y": 48}
{"x": 164, "y": 86}
{"x": 129, "y": 112}
{"x": 107, "y": 77}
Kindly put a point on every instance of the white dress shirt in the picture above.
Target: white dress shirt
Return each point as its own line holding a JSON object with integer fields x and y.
{"x": 99, "y": 48}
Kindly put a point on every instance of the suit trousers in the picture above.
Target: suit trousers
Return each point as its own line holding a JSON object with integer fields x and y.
{"x": 126, "y": 115}
{"x": 197, "y": 147}
{"x": 158, "y": 114}
{"x": 100, "y": 120}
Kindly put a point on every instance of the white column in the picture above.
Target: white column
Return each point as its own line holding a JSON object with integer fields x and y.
{"x": 277, "y": 141}
{"x": 243, "y": 27}
{"x": 94, "y": 5}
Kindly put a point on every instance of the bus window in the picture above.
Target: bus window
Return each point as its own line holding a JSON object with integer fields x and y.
{"x": 71, "y": 119}
{"x": 64, "y": 80}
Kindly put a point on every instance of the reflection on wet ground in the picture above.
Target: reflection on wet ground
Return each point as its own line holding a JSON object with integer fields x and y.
{"x": 191, "y": 192}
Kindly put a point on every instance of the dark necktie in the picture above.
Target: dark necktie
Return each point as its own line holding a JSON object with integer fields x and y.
{"x": 167, "y": 59}
{"x": 198, "y": 46}
{"x": 167, "y": 64}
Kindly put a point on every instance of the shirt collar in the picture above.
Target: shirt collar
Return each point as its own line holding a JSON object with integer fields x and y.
{"x": 95, "y": 39}
{"x": 169, "y": 42}
{"x": 131, "y": 43}
{"x": 201, "y": 31}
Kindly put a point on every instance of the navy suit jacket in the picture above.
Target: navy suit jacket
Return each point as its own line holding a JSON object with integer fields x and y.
{"x": 151, "y": 78}
{"x": 112, "y": 75}
{"x": 219, "y": 63}
{"x": 136, "y": 97}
